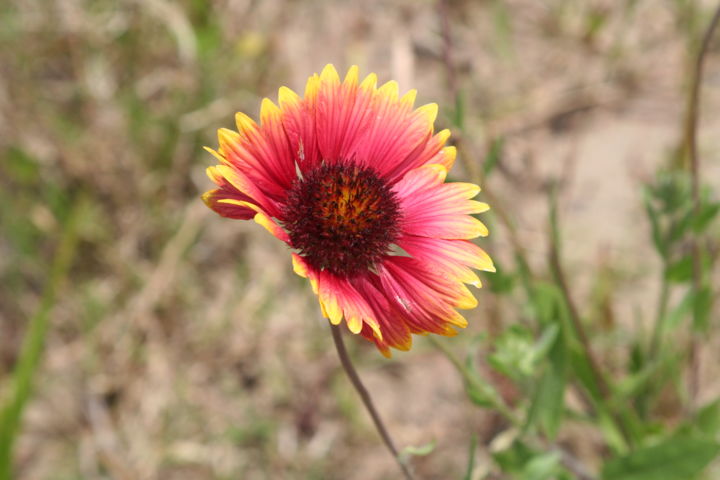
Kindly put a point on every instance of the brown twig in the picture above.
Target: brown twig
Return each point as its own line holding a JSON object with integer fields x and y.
{"x": 693, "y": 114}
{"x": 366, "y": 399}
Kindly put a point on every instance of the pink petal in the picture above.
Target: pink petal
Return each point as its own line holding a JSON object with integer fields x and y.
{"x": 431, "y": 208}
{"x": 426, "y": 299}
{"x": 453, "y": 258}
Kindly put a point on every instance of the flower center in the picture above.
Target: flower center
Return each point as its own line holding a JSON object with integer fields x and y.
{"x": 341, "y": 218}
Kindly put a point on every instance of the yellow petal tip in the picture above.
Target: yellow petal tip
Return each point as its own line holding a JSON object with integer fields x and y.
{"x": 286, "y": 96}
{"x": 352, "y": 75}
{"x": 354, "y": 324}
{"x": 430, "y": 111}
{"x": 299, "y": 266}
{"x": 329, "y": 74}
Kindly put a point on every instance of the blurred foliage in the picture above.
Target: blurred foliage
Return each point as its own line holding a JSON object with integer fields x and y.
{"x": 550, "y": 353}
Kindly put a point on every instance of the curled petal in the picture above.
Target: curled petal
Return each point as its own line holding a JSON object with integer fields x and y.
{"x": 214, "y": 200}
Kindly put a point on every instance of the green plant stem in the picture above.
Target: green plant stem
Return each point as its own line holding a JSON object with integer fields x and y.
{"x": 663, "y": 298}
{"x": 497, "y": 401}
{"x": 498, "y": 404}
{"x": 558, "y": 272}
{"x": 598, "y": 375}
{"x": 693, "y": 114}
{"x": 366, "y": 399}
{"x": 577, "y": 324}
{"x": 693, "y": 111}
{"x": 497, "y": 208}
{"x": 472, "y": 168}
{"x": 33, "y": 342}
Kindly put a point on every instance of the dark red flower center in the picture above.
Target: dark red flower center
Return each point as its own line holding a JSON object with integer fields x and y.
{"x": 341, "y": 218}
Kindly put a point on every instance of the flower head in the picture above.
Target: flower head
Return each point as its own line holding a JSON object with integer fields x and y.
{"x": 352, "y": 178}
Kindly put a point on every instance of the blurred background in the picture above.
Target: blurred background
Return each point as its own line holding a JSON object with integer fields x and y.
{"x": 180, "y": 345}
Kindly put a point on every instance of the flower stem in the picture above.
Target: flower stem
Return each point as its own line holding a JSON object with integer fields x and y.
{"x": 599, "y": 377}
{"x": 691, "y": 123}
{"x": 663, "y": 299}
{"x": 367, "y": 400}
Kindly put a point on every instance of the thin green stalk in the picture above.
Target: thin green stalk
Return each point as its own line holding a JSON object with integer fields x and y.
{"x": 498, "y": 404}
{"x": 656, "y": 337}
{"x": 599, "y": 378}
{"x": 497, "y": 401}
{"x": 663, "y": 300}
{"x": 693, "y": 114}
{"x": 367, "y": 400}
{"x": 20, "y": 388}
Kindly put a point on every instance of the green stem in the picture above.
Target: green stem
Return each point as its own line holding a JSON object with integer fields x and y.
{"x": 693, "y": 114}
{"x": 366, "y": 399}
{"x": 573, "y": 464}
{"x": 31, "y": 351}
{"x": 599, "y": 378}
{"x": 495, "y": 398}
{"x": 663, "y": 299}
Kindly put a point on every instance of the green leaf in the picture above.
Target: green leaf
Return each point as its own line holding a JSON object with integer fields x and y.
{"x": 639, "y": 381}
{"x": 493, "y": 157}
{"x": 548, "y": 401}
{"x": 502, "y": 281}
{"x": 673, "y": 319}
{"x": 702, "y": 303}
{"x": 516, "y": 355}
{"x": 419, "y": 451}
{"x": 680, "y": 271}
{"x": 613, "y": 436}
{"x": 708, "y": 418}
{"x": 582, "y": 369}
{"x": 657, "y": 237}
{"x": 681, "y": 227}
{"x": 511, "y": 346}
{"x": 546, "y": 301}
{"x": 413, "y": 451}
{"x": 705, "y": 217}
{"x": 540, "y": 349}
{"x": 548, "y": 404}
{"x": 542, "y": 467}
{"x": 20, "y": 166}
{"x": 480, "y": 392}
{"x": 528, "y": 464}
{"x": 680, "y": 457}
{"x": 514, "y": 458}
{"x": 697, "y": 302}
{"x": 458, "y": 117}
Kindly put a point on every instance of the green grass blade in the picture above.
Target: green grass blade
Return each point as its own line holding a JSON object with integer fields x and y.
{"x": 21, "y": 386}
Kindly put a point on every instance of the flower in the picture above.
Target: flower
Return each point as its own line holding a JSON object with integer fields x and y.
{"x": 352, "y": 178}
